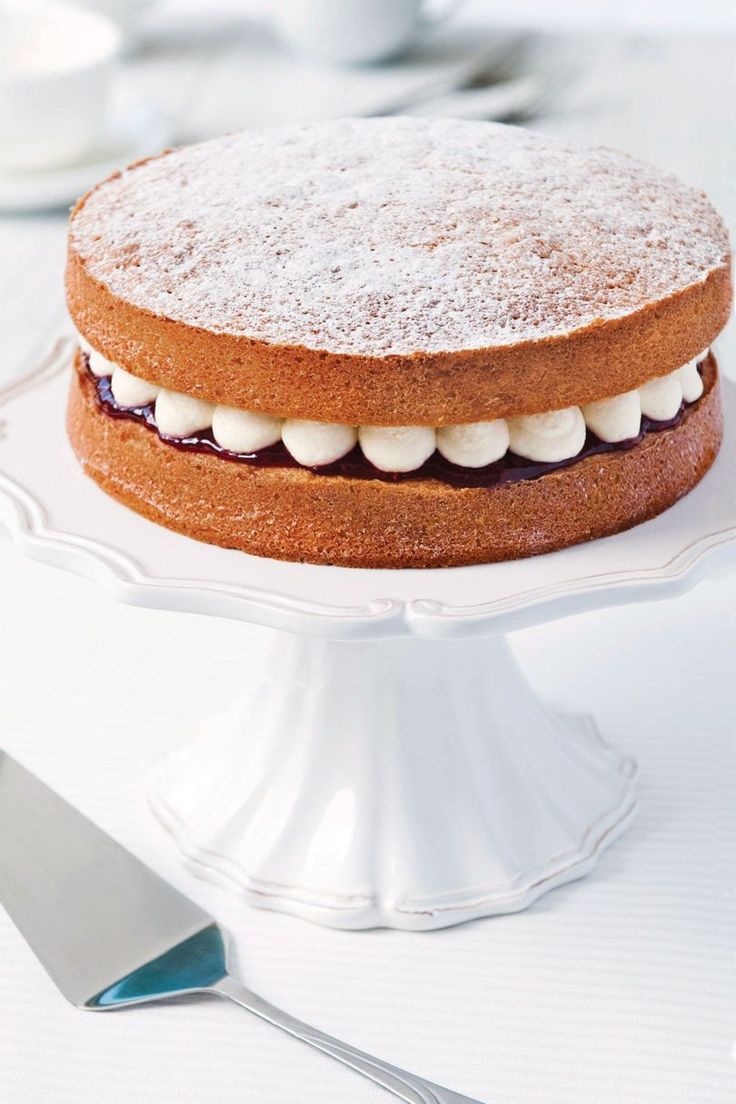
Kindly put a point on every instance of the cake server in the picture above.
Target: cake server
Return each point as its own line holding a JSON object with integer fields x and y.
{"x": 111, "y": 932}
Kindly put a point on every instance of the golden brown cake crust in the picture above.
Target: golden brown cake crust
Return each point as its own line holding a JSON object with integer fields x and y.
{"x": 397, "y": 271}
{"x": 425, "y": 389}
{"x": 293, "y": 514}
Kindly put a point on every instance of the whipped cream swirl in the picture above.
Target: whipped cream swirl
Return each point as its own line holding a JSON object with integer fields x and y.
{"x": 549, "y": 437}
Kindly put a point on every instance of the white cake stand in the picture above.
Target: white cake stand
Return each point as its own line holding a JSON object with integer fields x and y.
{"x": 393, "y": 768}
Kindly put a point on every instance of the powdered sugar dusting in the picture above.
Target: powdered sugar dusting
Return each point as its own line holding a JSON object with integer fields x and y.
{"x": 392, "y": 236}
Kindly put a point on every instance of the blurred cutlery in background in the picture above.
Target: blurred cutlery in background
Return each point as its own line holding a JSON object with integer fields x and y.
{"x": 243, "y": 78}
{"x": 515, "y": 99}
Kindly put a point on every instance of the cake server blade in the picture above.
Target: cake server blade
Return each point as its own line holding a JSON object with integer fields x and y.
{"x": 90, "y": 910}
{"x": 111, "y": 932}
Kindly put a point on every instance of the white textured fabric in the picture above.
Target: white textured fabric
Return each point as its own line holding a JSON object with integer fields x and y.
{"x": 614, "y": 989}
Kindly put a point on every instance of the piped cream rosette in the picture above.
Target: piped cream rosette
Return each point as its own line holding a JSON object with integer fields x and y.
{"x": 544, "y": 438}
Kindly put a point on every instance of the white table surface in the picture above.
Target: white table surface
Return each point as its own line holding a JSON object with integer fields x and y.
{"x": 615, "y": 990}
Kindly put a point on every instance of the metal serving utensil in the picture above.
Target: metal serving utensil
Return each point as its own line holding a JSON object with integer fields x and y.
{"x": 111, "y": 932}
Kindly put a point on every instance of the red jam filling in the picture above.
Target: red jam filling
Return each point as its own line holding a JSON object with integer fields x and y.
{"x": 509, "y": 469}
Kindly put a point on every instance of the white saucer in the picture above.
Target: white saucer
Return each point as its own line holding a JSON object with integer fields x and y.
{"x": 135, "y": 131}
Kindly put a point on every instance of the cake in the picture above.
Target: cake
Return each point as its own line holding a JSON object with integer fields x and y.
{"x": 396, "y": 342}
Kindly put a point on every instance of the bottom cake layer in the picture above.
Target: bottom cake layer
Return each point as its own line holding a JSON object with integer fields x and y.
{"x": 291, "y": 513}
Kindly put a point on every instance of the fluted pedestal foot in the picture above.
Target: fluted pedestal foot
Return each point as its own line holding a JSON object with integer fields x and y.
{"x": 405, "y": 783}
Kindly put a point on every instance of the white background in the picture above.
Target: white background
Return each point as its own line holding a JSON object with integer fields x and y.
{"x": 575, "y": 14}
{"x": 614, "y": 990}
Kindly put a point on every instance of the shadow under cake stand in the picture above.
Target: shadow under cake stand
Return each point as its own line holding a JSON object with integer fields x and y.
{"x": 393, "y": 767}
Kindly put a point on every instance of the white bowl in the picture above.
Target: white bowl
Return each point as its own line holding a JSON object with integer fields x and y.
{"x": 56, "y": 69}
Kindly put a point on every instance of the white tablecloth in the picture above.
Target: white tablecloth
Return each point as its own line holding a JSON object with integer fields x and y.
{"x": 615, "y": 990}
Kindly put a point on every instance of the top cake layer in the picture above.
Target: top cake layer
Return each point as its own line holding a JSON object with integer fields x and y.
{"x": 420, "y": 270}
{"x": 395, "y": 236}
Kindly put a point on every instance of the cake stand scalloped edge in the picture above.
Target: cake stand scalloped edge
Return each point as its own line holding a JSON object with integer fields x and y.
{"x": 24, "y": 517}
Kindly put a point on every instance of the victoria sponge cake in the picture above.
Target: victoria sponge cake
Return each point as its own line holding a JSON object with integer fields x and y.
{"x": 396, "y": 342}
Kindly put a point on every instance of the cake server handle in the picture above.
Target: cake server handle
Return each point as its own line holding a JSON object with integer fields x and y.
{"x": 407, "y": 1086}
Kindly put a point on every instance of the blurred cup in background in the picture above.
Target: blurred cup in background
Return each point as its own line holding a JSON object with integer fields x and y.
{"x": 127, "y": 14}
{"x": 352, "y": 32}
{"x": 56, "y": 68}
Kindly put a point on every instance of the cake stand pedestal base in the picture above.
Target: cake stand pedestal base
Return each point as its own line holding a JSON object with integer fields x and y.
{"x": 400, "y": 782}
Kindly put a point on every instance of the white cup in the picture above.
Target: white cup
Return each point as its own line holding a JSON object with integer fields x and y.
{"x": 56, "y": 69}
{"x": 127, "y": 14}
{"x": 351, "y": 32}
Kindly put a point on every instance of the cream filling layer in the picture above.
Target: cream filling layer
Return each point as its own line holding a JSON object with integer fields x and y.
{"x": 545, "y": 438}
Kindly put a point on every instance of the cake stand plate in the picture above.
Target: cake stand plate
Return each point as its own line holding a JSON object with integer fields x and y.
{"x": 392, "y": 766}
